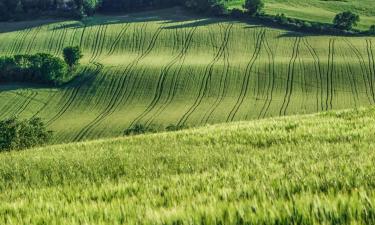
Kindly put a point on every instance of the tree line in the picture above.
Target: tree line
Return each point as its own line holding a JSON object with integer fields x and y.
{"x": 40, "y": 68}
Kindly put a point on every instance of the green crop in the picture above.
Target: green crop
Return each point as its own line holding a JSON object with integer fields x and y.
{"x": 315, "y": 169}
{"x": 167, "y": 67}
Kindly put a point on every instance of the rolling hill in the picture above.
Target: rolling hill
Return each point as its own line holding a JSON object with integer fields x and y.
{"x": 168, "y": 67}
{"x": 317, "y": 10}
{"x": 315, "y": 169}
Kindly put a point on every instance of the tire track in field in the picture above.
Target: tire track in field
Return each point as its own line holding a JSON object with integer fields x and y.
{"x": 352, "y": 81}
{"x": 290, "y": 79}
{"x": 173, "y": 88}
{"x": 26, "y": 104}
{"x": 204, "y": 84}
{"x": 318, "y": 73}
{"x": 72, "y": 93}
{"x": 60, "y": 43}
{"x": 122, "y": 85}
{"x": 180, "y": 57}
{"x": 120, "y": 93}
{"x": 31, "y": 42}
{"x": 371, "y": 62}
{"x": 271, "y": 81}
{"x": 100, "y": 39}
{"x": 14, "y": 45}
{"x": 116, "y": 42}
{"x": 21, "y": 43}
{"x": 44, "y": 105}
{"x": 81, "y": 39}
{"x": 365, "y": 74}
{"x": 223, "y": 89}
{"x": 246, "y": 79}
{"x": 329, "y": 76}
{"x": 51, "y": 40}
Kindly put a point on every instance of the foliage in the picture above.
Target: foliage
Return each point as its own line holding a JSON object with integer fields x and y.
{"x": 72, "y": 55}
{"x": 39, "y": 68}
{"x": 371, "y": 30}
{"x": 346, "y": 20}
{"x": 138, "y": 128}
{"x": 260, "y": 172}
{"x": 20, "y": 134}
{"x": 253, "y": 7}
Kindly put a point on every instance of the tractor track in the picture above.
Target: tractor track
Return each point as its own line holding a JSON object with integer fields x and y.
{"x": 224, "y": 79}
{"x": 271, "y": 83}
{"x": 247, "y": 75}
{"x": 205, "y": 83}
{"x": 120, "y": 93}
{"x": 162, "y": 79}
{"x": 365, "y": 74}
{"x": 173, "y": 90}
{"x": 290, "y": 79}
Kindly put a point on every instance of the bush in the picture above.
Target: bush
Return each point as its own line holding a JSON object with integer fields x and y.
{"x": 17, "y": 135}
{"x": 346, "y": 20}
{"x": 372, "y": 30}
{"x": 218, "y": 9}
{"x": 237, "y": 13}
{"x": 138, "y": 129}
{"x": 72, "y": 55}
{"x": 253, "y": 7}
{"x": 38, "y": 68}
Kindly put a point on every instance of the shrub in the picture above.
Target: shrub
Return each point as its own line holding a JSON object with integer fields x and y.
{"x": 38, "y": 68}
{"x": 16, "y": 134}
{"x": 139, "y": 129}
{"x": 72, "y": 55}
{"x": 237, "y": 13}
{"x": 218, "y": 9}
{"x": 371, "y": 29}
{"x": 346, "y": 20}
{"x": 253, "y": 7}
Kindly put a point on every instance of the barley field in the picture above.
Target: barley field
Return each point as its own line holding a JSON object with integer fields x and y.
{"x": 169, "y": 67}
{"x": 314, "y": 169}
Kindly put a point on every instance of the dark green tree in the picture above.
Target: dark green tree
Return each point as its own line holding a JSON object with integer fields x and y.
{"x": 72, "y": 55}
{"x": 346, "y": 20}
{"x": 371, "y": 30}
{"x": 253, "y": 7}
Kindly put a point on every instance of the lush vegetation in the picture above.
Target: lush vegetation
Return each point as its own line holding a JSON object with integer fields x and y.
{"x": 296, "y": 170}
{"x": 316, "y": 10}
{"x": 39, "y": 68}
{"x": 169, "y": 67}
{"x": 20, "y": 134}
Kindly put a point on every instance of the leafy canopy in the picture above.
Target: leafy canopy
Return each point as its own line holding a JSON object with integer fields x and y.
{"x": 346, "y": 20}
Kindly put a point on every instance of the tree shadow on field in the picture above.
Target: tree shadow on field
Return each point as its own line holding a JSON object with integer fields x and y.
{"x": 6, "y": 27}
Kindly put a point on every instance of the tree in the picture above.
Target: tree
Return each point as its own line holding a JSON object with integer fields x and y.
{"x": 72, "y": 55}
{"x": 346, "y": 20}
{"x": 253, "y": 7}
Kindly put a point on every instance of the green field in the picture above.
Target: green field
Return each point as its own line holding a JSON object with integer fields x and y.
{"x": 317, "y": 10}
{"x": 168, "y": 67}
{"x": 316, "y": 169}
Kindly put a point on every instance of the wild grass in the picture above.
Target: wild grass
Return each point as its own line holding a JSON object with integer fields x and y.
{"x": 296, "y": 170}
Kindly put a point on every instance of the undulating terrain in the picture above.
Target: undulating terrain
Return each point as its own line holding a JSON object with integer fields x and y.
{"x": 315, "y": 169}
{"x": 317, "y": 10}
{"x": 168, "y": 67}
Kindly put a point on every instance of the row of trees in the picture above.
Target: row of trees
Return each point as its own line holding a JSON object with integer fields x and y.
{"x": 22, "y": 9}
{"x": 39, "y": 68}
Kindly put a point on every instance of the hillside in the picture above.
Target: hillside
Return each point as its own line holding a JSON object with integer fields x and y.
{"x": 314, "y": 169}
{"x": 317, "y": 10}
{"x": 168, "y": 67}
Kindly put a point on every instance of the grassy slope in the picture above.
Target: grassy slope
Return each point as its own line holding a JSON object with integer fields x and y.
{"x": 167, "y": 67}
{"x": 299, "y": 169}
{"x": 318, "y": 10}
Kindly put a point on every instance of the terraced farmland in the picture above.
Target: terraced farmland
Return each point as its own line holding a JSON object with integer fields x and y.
{"x": 167, "y": 67}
